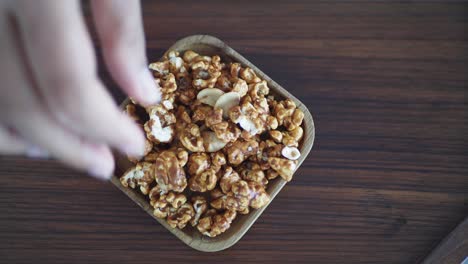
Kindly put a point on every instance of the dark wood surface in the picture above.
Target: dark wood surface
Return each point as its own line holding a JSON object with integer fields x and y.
{"x": 387, "y": 178}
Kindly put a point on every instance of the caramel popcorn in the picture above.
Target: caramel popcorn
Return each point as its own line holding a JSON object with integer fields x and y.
{"x": 204, "y": 181}
{"x": 240, "y": 150}
{"x": 160, "y": 127}
{"x": 200, "y": 206}
{"x": 284, "y": 167}
{"x": 174, "y": 208}
{"x": 252, "y": 172}
{"x": 141, "y": 175}
{"x": 227, "y": 179}
{"x": 168, "y": 173}
{"x": 213, "y": 224}
{"x": 217, "y": 131}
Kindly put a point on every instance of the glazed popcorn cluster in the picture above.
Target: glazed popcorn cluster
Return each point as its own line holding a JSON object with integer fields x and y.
{"x": 213, "y": 143}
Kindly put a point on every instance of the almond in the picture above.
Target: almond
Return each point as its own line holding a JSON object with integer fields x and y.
{"x": 209, "y": 96}
{"x": 227, "y": 101}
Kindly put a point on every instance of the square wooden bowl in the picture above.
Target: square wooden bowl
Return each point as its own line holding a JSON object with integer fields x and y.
{"x": 208, "y": 45}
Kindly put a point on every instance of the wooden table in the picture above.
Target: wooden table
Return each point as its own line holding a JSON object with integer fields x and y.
{"x": 386, "y": 180}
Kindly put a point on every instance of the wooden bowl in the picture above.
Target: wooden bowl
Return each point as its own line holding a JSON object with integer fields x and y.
{"x": 208, "y": 45}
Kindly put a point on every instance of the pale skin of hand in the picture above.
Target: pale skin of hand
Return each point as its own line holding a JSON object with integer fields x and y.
{"x": 51, "y": 99}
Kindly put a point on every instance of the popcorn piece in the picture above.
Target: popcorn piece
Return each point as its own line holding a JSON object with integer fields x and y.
{"x": 141, "y": 175}
{"x": 271, "y": 174}
{"x": 235, "y": 69}
{"x": 237, "y": 199}
{"x": 209, "y": 96}
{"x": 168, "y": 173}
{"x": 216, "y": 193}
{"x": 258, "y": 196}
{"x": 248, "y": 118}
{"x": 296, "y": 133}
{"x": 259, "y": 90}
{"x": 168, "y": 84}
{"x": 276, "y": 135}
{"x": 229, "y": 177}
{"x": 224, "y": 82}
{"x": 160, "y": 68}
{"x": 206, "y": 83}
{"x": 240, "y": 87}
{"x": 191, "y": 138}
{"x": 182, "y": 156}
{"x": 291, "y": 153}
{"x": 174, "y": 208}
{"x": 240, "y": 150}
{"x": 226, "y": 131}
{"x": 204, "y": 181}
{"x": 189, "y": 55}
{"x": 284, "y": 167}
{"x": 155, "y": 194}
{"x": 218, "y": 159}
{"x": 249, "y": 76}
{"x": 198, "y": 162}
{"x": 131, "y": 111}
{"x": 252, "y": 172}
{"x": 213, "y": 224}
{"x": 180, "y": 217}
{"x": 183, "y": 118}
{"x": 200, "y": 206}
{"x": 160, "y": 128}
{"x": 295, "y": 120}
{"x": 151, "y": 157}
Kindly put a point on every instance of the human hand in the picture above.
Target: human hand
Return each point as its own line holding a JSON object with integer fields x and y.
{"x": 51, "y": 99}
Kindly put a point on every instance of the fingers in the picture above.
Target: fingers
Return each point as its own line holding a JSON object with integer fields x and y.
{"x": 119, "y": 25}
{"x": 22, "y": 110}
{"x": 62, "y": 60}
{"x": 11, "y": 144}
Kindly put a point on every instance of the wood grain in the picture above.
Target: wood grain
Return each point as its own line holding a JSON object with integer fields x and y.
{"x": 386, "y": 181}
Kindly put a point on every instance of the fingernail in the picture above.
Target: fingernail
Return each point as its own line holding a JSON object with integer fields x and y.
{"x": 149, "y": 91}
{"x": 101, "y": 162}
{"x": 133, "y": 143}
{"x": 36, "y": 152}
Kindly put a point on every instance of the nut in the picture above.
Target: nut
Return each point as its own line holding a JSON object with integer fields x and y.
{"x": 227, "y": 101}
{"x": 284, "y": 167}
{"x": 139, "y": 175}
{"x": 168, "y": 173}
{"x": 209, "y": 96}
{"x": 291, "y": 153}
{"x": 211, "y": 142}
